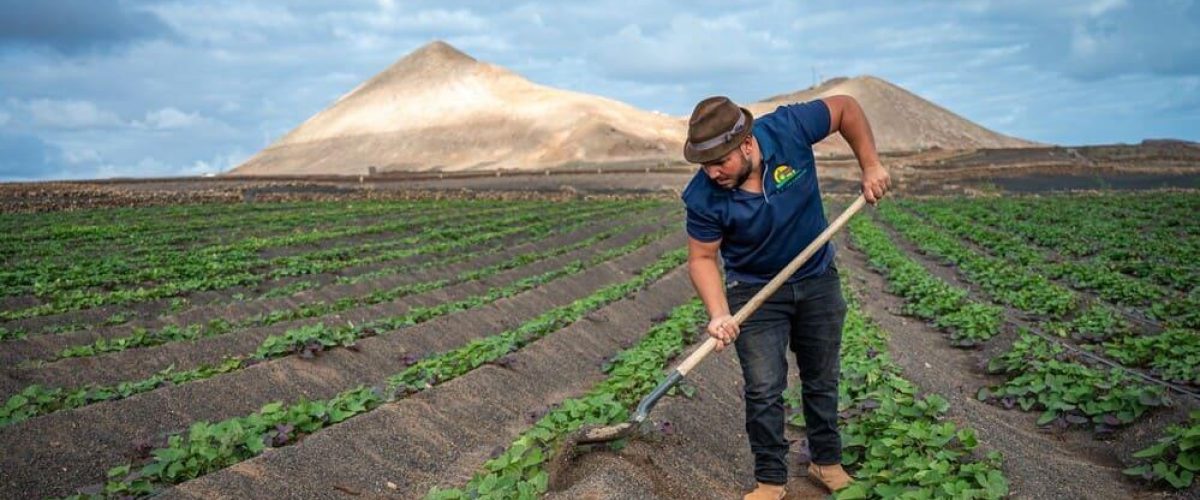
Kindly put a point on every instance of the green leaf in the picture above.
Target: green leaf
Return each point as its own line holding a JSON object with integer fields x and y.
{"x": 1152, "y": 451}
{"x": 856, "y": 491}
{"x": 116, "y": 472}
{"x": 1189, "y": 461}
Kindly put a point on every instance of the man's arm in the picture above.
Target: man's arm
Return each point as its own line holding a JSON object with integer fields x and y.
{"x": 847, "y": 117}
{"x": 706, "y": 278}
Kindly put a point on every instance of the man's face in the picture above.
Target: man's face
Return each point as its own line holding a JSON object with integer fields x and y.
{"x": 731, "y": 171}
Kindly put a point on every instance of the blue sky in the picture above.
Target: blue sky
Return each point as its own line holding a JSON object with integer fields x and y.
{"x": 102, "y": 88}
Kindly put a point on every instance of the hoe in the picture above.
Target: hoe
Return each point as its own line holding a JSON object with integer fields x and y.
{"x": 592, "y": 435}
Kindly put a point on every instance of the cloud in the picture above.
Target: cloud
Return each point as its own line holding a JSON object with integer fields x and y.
{"x": 85, "y": 155}
{"x": 1098, "y": 39}
{"x": 68, "y": 114}
{"x": 76, "y": 26}
{"x": 170, "y": 118}
{"x": 686, "y": 48}
{"x": 4, "y": 118}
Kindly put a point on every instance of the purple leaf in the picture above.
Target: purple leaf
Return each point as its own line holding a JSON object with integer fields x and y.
{"x": 666, "y": 427}
{"x": 1009, "y": 402}
{"x": 408, "y": 360}
{"x": 142, "y": 448}
{"x": 506, "y": 361}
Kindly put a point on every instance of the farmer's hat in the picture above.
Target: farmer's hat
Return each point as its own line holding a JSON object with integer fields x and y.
{"x": 716, "y": 127}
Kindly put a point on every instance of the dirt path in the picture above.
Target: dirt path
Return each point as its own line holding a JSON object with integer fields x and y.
{"x": 81, "y": 444}
{"x": 704, "y": 456}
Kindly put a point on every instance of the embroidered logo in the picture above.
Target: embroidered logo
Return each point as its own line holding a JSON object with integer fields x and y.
{"x": 783, "y": 176}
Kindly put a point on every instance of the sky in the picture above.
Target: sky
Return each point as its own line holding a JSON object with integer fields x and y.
{"x": 112, "y": 88}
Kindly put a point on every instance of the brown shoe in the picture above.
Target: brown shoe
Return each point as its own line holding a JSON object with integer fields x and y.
{"x": 833, "y": 477}
{"x": 766, "y": 491}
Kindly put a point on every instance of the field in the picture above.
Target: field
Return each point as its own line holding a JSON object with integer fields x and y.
{"x": 222, "y": 346}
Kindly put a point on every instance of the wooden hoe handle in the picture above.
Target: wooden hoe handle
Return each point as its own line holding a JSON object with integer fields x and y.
{"x": 693, "y": 359}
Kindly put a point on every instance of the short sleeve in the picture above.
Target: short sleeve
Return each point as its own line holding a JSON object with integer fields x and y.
{"x": 703, "y": 227}
{"x": 810, "y": 119}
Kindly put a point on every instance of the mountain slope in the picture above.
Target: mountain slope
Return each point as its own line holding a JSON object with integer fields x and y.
{"x": 901, "y": 120}
{"x": 438, "y": 108}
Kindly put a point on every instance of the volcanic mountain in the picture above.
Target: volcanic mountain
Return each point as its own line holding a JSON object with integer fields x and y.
{"x": 900, "y": 120}
{"x": 440, "y": 109}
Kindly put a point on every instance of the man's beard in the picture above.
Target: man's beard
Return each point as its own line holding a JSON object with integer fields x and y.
{"x": 743, "y": 173}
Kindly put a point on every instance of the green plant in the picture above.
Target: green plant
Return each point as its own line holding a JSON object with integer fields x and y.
{"x": 1045, "y": 377}
{"x": 1174, "y": 458}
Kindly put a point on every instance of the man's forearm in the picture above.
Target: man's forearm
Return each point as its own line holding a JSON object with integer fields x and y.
{"x": 706, "y": 278}
{"x": 857, "y": 131}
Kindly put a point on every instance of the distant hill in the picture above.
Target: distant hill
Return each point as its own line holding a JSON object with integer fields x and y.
{"x": 438, "y": 108}
{"x": 901, "y": 120}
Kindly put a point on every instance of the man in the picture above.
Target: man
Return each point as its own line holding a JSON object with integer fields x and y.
{"x": 756, "y": 201}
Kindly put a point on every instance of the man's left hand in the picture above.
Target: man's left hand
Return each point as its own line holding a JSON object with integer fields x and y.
{"x": 875, "y": 183}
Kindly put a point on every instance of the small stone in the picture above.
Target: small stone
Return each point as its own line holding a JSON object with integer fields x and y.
{"x": 392, "y": 485}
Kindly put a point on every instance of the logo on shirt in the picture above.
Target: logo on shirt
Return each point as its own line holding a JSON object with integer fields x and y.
{"x": 783, "y": 176}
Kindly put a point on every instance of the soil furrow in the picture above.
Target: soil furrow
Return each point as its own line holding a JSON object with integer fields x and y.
{"x": 204, "y": 232}
{"x": 128, "y": 279}
{"x": 80, "y": 445}
{"x": 1072, "y": 463}
{"x": 46, "y": 346}
{"x": 442, "y": 435}
{"x": 1037, "y": 464}
{"x": 1014, "y": 317}
{"x": 136, "y": 364}
{"x": 1136, "y": 315}
{"x": 169, "y": 304}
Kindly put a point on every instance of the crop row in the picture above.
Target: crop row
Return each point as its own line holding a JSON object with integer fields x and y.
{"x": 899, "y": 444}
{"x": 1068, "y": 388}
{"x": 1096, "y": 275}
{"x": 926, "y": 296}
{"x": 1146, "y": 236}
{"x": 211, "y": 272}
{"x": 137, "y": 238}
{"x": 1094, "y": 323}
{"x": 1009, "y": 284}
{"x": 207, "y": 447}
{"x": 432, "y": 243}
{"x": 45, "y": 279}
{"x": 306, "y": 341}
{"x": 143, "y": 338}
{"x": 895, "y": 442}
{"x": 84, "y": 223}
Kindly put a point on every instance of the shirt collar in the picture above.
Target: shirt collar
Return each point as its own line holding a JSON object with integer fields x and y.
{"x": 766, "y": 145}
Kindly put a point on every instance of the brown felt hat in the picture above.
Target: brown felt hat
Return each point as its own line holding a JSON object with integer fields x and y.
{"x": 716, "y": 127}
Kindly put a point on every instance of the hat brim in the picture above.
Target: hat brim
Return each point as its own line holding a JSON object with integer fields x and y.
{"x": 710, "y": 155}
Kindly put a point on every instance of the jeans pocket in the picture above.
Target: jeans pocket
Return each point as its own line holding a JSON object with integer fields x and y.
{"x": 738, "y": 293}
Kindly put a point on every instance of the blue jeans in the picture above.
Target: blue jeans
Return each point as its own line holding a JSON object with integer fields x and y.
{"x": 807, "y": 317}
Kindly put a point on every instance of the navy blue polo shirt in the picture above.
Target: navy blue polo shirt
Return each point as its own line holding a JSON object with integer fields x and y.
{"x": 761, "y": 232}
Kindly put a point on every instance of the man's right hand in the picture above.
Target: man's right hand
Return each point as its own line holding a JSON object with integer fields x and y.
{"x": 724, "y": 330}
